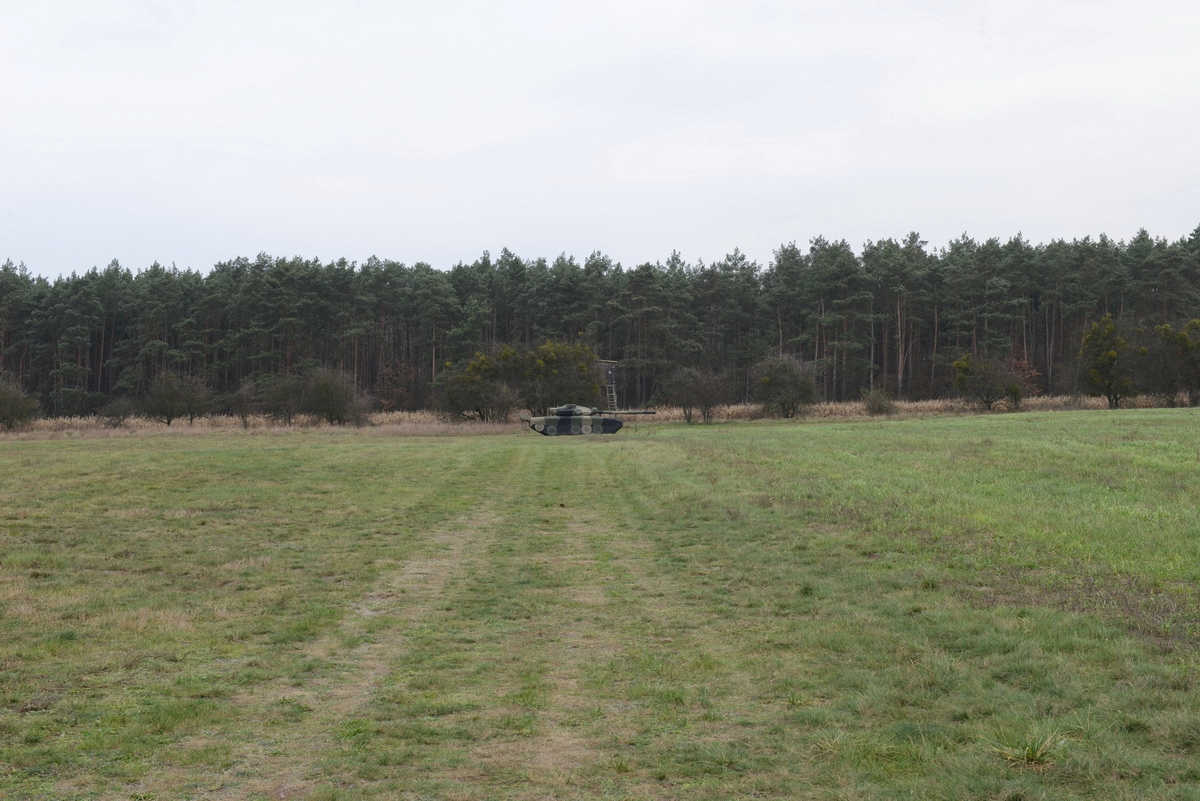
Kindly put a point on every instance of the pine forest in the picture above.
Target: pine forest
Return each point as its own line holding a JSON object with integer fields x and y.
{"x": 894, "y": 316}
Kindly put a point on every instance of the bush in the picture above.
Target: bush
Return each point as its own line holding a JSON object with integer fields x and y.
{"x": 783, "y": 385}
{"x": 332, "y": 396}
{"x": 1171, "y": 362}
{"x": 17, "y": 407}
{"x": 242, "y": 402}
{"x": 694, "y": 390}
{"x": 195, "y": 398}
{"x": 492, "y": 385}
{"x": 987, "y": 381}
{"x": 164, "y": 398}
{"x": 1023, "y": 382}
{"x": 171, "y": 396}
{"x": 550, "y": 375}
{"x": 1107, "y": 359}
{"x": 118, "y": 410}
{"x": 283, "y": 398}
{"x": 458, "y": 395}
{"x": 877, "y": 402}
{"x": 394, "y": 388}
{"x": 467, "y": 395}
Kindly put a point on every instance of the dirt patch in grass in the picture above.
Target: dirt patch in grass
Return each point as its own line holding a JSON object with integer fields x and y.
{"x": 1166, "y": 616}
{"x": 552, "y": 758}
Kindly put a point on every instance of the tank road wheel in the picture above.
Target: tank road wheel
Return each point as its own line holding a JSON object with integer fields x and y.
{"x": 587, "y": 429}
{"x": 574, "y": 428}
{"x": 551, "y": 430}
{"x": 538, "y": 427}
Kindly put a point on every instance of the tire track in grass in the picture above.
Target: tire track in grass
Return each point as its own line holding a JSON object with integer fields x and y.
{"x": 691, "y": 675}
{"x": 601, "y": 616}
{"x": 520, "y": 605}
{"x": 557, "y": 757}
{"x": 286, "y": 763}
{"x": 412, "y": 595}
{"x": 539, "y": 680}
{"x": 515, "y": 665}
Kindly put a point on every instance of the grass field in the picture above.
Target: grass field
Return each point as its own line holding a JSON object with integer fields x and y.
{"x": 994, "y": 607}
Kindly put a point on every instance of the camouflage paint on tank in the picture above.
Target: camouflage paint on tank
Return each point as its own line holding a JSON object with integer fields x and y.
{"x": 572, "y": 419}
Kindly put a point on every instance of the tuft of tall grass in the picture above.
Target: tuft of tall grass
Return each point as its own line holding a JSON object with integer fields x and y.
{"x": 1036, "y": 750}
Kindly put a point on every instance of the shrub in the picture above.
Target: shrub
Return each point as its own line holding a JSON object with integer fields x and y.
{"x": 1106, "y": 358}
{"x": 550, "y": 375}
{"x": 492, "y": 385}
{"x": 1023, "y": 382}
{"x": 393, "y": 390}
{"x": 117, "y": 411}
{"x": 17, "y": 407}
{"x": 783, "y": 385}
{"x": 242, "y": 402}
{"x": 164, "y": 398}
{"x": 458, "y": 395}
{"x": 332, "y": 396}
{"x": 466, "y": 395}
{"x": 283, "y": 398}
{"x": 695, "y": 390}
{"x": 987, "y": 381}
{"x": 195, "y": 398}
{"x": 1172, "y": 362}
{"x": 877, "y": 402}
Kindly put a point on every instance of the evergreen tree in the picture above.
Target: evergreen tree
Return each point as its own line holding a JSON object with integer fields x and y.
{"x": 1106, "y": 356}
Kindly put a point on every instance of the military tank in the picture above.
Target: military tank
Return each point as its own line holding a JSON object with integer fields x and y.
{"x": 574, "y": 419}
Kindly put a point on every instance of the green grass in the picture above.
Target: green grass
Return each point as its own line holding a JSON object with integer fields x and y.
{"x": 971, "y": 607}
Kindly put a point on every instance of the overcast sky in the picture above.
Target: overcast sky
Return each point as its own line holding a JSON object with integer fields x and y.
{"x": 192, "y": 133}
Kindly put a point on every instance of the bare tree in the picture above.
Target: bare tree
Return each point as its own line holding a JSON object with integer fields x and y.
{"x": 164, "y": 398}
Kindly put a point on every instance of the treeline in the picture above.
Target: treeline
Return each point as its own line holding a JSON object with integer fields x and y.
{"x": 894, "y": 316}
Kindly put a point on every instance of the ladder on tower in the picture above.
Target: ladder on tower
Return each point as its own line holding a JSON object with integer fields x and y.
{"x": 610, "y": 396}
